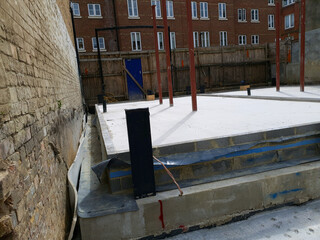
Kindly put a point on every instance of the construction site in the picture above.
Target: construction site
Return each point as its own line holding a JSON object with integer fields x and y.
{"x": 180, "y": 140}
{"x": 220, "y": 140}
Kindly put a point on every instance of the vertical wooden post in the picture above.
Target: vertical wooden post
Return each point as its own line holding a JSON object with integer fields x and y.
{"x": 302, "y": 43}
{"x": 278, "y": 46}
{"x": 191, "y": 58}
{"x": 157, "y": 52}
{"x": 167, "y": 47}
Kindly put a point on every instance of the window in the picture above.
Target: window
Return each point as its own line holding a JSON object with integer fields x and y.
{"x": 135, "y": 41}
{"x": 204, "y": 10}
{"x": 254, "y": 15}
{"x": 205, "y": 39}
{"x": 80, "y": 44}
{"x": 194, "y": 9}
{"x": 222, "y": 11}
{"x": 195, "y": 39}
{"x": 242, "y": 15}
{"x": 242, "y": 39}
{"x": 289, "y": 21}
{"x": 255, "y": 39}
{"x": 223, "y": 39}
{"x": 271, "y": 2}
{"x": 132, "y": 8}
{"x": 287, "y": 2}
{"x": 101, "y": 43}
{"x": 173, "y": 40}
{"x": 160, "y": 41}
{"x": 170, "y": 9}
{"x": 76, "y": 9}
{"x": 158, "y": 7}
{"x": 270, "y": 21}
{"x": 94, "y": 10}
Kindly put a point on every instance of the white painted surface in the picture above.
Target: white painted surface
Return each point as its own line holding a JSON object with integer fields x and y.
{"x": 216, "y": 117}
{"x": 312, "y": 92}
{"x": 294, "y": 223}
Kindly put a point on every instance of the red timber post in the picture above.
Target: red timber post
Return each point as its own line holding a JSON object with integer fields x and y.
{"x": 278, "y": 46}
{"x": 157, "y": 52}
{"x": 166, "y": 37}
{"x": 191, "y": 58}
{"x": 302, "y": 43}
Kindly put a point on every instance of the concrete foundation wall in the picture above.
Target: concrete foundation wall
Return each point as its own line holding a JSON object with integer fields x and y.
{"x": 208, "y": 204}
{"x": 40, "y": 117}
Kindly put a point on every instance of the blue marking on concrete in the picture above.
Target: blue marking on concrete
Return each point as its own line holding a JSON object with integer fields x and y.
{"x": 298, "y": 174}
{"x": 275, "y": 195}
{"x": 228, "y": 155}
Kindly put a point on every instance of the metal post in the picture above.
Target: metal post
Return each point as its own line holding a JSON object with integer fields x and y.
{"x": 166, "y": 37}
{"x": 157, "y": 52}
{"x": 103, "y": 87}
{"x": 191, "y": 58}
{"x": 278, "y": 46}
{"x": 302, "y": 44}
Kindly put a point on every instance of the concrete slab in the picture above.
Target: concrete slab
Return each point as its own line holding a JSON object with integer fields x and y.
{"x": 286, "y": 92}
{"x": 217, "y": 117}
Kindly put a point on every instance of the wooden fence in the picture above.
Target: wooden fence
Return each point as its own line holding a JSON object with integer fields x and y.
{"x": 216, "y": 68}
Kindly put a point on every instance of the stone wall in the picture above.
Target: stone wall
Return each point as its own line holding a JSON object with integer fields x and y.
{"x": 40, "y": 117}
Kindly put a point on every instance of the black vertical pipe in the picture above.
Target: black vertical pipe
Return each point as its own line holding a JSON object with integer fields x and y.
{"x": 77, "y": 53}
{"x": 103, "y": 87}
{"x": 116, "y": 24}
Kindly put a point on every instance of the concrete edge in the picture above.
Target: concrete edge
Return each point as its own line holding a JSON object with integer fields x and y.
{"x": 208, "y": 204}
{"x": 296, "y": 131}
{"x": 291, "y": 99}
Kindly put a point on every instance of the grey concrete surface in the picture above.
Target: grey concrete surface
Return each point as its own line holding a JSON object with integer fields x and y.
{"x": 295, "y": 222}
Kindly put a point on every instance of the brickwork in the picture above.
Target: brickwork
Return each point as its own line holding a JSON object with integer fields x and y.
{"x": 40, "y": 117}
{"x": 178, "y": 24}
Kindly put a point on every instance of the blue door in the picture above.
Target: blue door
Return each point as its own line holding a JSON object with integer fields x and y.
{"x": 134, "y": 67}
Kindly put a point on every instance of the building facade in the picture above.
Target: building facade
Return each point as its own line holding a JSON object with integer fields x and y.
{"x": 215, "y": 23}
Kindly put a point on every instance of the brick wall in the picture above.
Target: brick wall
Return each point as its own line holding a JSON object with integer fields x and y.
{"x": 85, "y": 26}
{"x": 40, "y": 117}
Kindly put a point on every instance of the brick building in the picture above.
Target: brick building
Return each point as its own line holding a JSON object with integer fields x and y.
{"x": 290, "y": 20}
{"x": 215, "y": 22}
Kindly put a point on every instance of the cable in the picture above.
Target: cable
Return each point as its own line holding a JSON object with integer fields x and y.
{"x": 170, "y": 174}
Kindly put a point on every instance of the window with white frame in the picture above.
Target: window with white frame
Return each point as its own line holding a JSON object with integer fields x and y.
{"x": 223, "y": 38}
{"x": 94, "y": 10}
{"x": 76, "y": 9}
{"x": 132, "y": 8}
{"x": 254, "y": 15}
{"x": 222, "y": 11}
{"x": 270, "y": 21}
{"x": 194, "y": 9}
{"x": 80, "y": 44}
{"x": 158, "y": 7}
{"x": 242, "y": 40}
{"x": 204, "y": 10}
{"x": 195, "y": 39}
{"x": 271, "y": 2}
{"x": 205, "y": 39}
{"x": 287, "y": 2}
{"x": 160, "y": 41}
{"x": 173, "y": 40}
{"x": 242, "y": 15}
{"x": 170, "y": 13}
{"x": 135, "y": 41}
{"x": 289, "y": 21}
{"x": 101, "y": 43}
{"x": 255, "y": 39}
